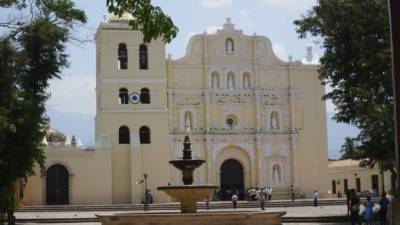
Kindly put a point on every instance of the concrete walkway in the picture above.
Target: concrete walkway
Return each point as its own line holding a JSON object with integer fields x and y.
{"x": 291, "y": 212}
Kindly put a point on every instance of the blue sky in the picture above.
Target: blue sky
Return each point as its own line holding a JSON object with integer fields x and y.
{"x": 272, "y": 18}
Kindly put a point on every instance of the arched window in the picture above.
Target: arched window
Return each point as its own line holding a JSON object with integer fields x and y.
{"x": 246, "y": 81}
{"x": 122, "y": 57}
{"x": 215, "y": 83}
{"x": 145, "y": 135}
{"x": 230, "y": 81}
{"x": 275, "y": 120}
{"x": 123, "y": 135}
{"x": 143, "y": 57}
{"x": 188, "y": 120}
{"x": 123, "y": 96}
{"x": 229, "y": 45}
{"x": 145, "y": 96}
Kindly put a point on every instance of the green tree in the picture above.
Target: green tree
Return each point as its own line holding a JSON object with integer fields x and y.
{"x": 149, "y": 19}
{"x": 350, "y": 149}
{"x": 357, "y": 66}
{"x": 32, "y": 51}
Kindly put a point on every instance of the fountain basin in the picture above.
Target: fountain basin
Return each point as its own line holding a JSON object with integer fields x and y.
{"x": 202, "y": 218}
{"x": 188, "y": 195}
{"x": 187, "y": 166}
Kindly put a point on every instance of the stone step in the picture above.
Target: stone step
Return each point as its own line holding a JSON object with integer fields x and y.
{"x": 175, "y": 206}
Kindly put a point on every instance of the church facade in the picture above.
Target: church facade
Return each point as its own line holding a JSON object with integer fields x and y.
{"x": 257, "y": 121}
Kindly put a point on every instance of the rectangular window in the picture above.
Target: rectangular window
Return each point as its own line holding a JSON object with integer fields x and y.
{"x": 345, "y": 186}
{"x": 358, "y": 185}
{"x": 333, "y": 186}
{"x": 375, "y": 183}
{"x": 393, "y": 181}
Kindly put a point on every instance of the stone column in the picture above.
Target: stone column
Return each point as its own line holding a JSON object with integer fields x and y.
{"x": 259, "y": 159}
{"x": 239, "y": 79}
{"x": 207, "y": 157}
{"x": 207, "y": 110}
{"x": 171, "y": 110}
{"x": 292, "y": 137}
{"x": 137, "y": 190}
{"x": 293, "y": 142}
{"x": 258, "y": 110}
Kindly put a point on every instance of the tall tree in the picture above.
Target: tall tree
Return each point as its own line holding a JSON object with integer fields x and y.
{"x": 349, "y": 149}
{"x": 357, "y": 66}
{"x": 32, "y": 51}
{"x": 147, "y": 18}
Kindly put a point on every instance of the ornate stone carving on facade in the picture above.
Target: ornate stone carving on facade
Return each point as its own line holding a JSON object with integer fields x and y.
{"x": 188, "y": 100}
{"x": 267, "y": 150}
{"x": 231, "y": 97}
{"x": 225, "y": 66}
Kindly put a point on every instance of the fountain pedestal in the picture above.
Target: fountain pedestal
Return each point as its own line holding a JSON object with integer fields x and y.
{"x": 188, "y": 195}
{"x": 201, "y": 218}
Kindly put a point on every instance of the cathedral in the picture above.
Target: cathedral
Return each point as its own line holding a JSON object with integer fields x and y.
{"x": 257, "y": 120}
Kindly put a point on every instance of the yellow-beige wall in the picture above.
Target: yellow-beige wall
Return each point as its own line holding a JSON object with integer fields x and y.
{"x": 112, "y": 172}
{"x": 352, "y": 172}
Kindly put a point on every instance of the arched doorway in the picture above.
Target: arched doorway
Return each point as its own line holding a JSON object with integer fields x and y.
{"x": 57, "y": 185}
{"x": 231, "y": 179}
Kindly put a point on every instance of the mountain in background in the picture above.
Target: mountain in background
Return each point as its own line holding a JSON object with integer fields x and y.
{"x": 82, "y": 125}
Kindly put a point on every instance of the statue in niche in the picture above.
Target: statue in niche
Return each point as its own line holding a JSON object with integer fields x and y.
{"x": 246, "y": 81}
{"x": 188, "y": 121}
{"x": 231, "y": 81}
{"x": 215, "y": 81}
{"x": 229, "y": 45}
{"x": 276, "y": 175}
{"x": 274, "y": 120}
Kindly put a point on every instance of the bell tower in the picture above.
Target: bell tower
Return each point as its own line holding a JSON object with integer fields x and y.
{"x": 131, "y": 110}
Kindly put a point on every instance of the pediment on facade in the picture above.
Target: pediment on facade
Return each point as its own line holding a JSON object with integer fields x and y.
{"x": 213, "y": 47}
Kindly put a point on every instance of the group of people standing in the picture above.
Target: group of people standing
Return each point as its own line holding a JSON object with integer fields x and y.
{"x": 255, "y": 194}
{"x": 368, "y": 215}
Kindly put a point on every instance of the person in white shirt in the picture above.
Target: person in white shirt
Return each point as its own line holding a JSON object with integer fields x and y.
{"x": 315, "y": 197}
{"x": 269, "y": 191}
{"x": 234, "y": 200}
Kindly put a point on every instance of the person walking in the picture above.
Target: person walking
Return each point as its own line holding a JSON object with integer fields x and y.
{"x": 207, "y": 202}
{"x": 292, "y": 190}
{"x": 315, "y": 197}
{"x": 368, "y": 211}
{"x": 269, "y": 193}
{"x": 262, "y": 199}
{"x": 354, "y": 205}
{"x": 234, "y": 200}
{"x": 383, "y": 205}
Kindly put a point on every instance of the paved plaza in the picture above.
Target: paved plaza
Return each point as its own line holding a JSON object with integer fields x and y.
{"x": 305, "y": 211}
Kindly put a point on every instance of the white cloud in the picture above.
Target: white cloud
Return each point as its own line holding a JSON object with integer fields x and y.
{"x": 289, "y": 4}
{"x": 280, "y": 51}
{"x": 212, "y": 30}
{"x": 73, "y": 94}
{"x": 330, "y": 107}
{"x": 243, "y": 13}
{"x": 213, "y": 4}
